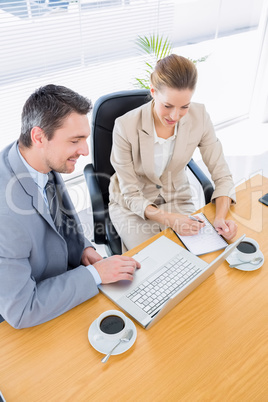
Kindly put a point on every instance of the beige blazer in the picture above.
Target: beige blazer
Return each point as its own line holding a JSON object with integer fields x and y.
{"x": 135, "y": 186}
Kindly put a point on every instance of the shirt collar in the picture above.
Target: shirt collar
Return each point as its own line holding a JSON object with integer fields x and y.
{"x": 160, "y": 140}
{"x": 39, "y": 178}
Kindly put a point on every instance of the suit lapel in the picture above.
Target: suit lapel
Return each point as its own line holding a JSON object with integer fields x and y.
{"x": 29, "y": 186}
{"x": 146, "y": 140}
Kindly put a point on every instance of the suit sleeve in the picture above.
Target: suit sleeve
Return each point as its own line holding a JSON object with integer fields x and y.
{"x": 126, "y": 183}
{"x": 27, "y": 299}
{"x": 212, "y": 155}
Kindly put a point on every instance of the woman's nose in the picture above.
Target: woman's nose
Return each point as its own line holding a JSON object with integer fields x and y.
{"x": 175, "y": 114}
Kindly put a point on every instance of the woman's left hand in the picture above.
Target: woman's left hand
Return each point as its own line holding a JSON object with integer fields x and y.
{"x": 226, "y": 228}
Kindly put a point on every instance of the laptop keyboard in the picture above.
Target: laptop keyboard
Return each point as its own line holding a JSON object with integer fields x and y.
{"x": 159, "y": 287}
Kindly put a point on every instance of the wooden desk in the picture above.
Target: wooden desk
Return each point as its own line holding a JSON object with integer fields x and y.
{"x": 213, "y": 346}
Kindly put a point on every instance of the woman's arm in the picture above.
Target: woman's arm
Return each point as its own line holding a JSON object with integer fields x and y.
{"x": 213, "y": 157}
{"x": 181, "y": 224}
{"x": 224, "y": 193}
{"x": 226, "y": 228}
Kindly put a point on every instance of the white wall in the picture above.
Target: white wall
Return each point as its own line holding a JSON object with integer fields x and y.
{"x": 194, "y": 18}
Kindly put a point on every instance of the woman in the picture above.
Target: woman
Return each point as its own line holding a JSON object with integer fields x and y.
{"x": 151, "y": 148}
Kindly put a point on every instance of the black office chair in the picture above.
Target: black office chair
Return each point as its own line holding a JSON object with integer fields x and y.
{"x": 97, "y": 174}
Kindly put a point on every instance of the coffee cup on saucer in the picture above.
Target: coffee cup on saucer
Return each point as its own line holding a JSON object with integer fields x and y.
{"x": 106, "y": 330}
{"x": 247, "y": 249}
{"x": 111, "y": 325}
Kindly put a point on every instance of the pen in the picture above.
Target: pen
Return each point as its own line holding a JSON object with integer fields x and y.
{"x": 195, "y": 219}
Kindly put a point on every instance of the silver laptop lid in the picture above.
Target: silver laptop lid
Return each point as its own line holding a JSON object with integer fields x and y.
{"x": 177, "y": 297}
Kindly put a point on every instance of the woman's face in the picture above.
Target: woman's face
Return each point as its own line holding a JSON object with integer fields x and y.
{"x": 170, "y": 105}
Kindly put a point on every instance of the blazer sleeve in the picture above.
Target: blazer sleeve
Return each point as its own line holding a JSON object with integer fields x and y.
{"x": 25, "y": 299}
{"x": 126, "y": 187}
{"x": 213, "y": 157}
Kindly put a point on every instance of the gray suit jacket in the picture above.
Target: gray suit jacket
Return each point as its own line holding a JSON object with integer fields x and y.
{"x": 134, "y": 185}
{"x": 41, "y": 276}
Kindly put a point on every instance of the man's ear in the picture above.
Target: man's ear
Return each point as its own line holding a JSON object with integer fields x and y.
{"x": 38, "y": 136}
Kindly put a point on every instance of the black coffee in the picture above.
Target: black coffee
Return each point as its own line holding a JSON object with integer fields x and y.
{"x": 246, "y": 247}
{"x": 112, "y": 324}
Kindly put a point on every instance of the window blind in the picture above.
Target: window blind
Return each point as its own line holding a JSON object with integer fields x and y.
{"x": 88, "y": 46}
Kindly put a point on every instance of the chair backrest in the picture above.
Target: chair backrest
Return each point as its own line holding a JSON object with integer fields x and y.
{"x": 105, "y": 111}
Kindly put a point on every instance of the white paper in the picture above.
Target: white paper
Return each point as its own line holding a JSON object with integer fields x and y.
{"x": 206, "y": 241}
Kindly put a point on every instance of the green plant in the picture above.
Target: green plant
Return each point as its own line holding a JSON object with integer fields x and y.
{"x": 156, "y": 47}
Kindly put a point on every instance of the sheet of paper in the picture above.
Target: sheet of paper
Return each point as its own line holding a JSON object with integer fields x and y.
{"x": 206, "y": 241}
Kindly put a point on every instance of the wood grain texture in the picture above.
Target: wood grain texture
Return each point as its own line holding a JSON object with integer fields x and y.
{"x": 211, "y": 347}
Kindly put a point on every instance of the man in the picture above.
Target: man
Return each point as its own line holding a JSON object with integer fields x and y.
{"x": 46, "y": 265}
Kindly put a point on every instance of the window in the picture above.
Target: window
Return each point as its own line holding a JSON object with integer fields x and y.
{"x": 228, "y": 33}
{"x": 89, "y": 46}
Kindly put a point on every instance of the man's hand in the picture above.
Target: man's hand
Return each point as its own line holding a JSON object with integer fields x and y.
{"x": 226, "y": 228}
{"x": 116, "y": 268}
{"x": 90, "y": 256}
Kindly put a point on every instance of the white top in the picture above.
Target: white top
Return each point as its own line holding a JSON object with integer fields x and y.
{"x": 163, "y": 151}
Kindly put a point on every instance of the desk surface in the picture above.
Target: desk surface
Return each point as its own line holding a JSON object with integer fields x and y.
{"x": 211, "y": 347}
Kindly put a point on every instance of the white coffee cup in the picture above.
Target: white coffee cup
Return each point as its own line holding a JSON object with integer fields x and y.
{"x": 247, "y": 249}
{"x": 111, "y": 325}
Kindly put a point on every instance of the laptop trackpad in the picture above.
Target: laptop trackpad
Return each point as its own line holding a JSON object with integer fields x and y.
{"x": 148, "y": 265}
{"x": 118, "y": 289}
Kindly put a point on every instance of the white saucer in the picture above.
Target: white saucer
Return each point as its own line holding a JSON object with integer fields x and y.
{"x": 233, "y": 259}
{"x": 104, "y": 346}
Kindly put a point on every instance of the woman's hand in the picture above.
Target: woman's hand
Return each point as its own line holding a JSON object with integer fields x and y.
{"x": 226, "y": 228}
{"x": 183, "y": 225}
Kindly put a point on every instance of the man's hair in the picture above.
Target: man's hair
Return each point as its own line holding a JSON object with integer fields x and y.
{"x": 47, "y": 107}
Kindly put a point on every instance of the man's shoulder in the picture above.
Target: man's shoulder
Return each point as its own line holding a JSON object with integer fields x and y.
{"x": 7, "y": 148}
{"x": 5, "y": 167}
{"x": 4, "y": 154}
{"x": 9, "y": 185}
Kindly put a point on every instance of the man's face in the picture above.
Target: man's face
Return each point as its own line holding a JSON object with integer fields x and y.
{"x": 69, "y": 142}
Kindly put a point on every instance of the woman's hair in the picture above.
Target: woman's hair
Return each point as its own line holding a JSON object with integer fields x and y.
{"x": 47, "y": 108}
{"x": 174, "y": 72}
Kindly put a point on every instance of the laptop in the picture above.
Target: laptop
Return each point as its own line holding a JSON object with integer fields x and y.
{"x": 167, "y": 275}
